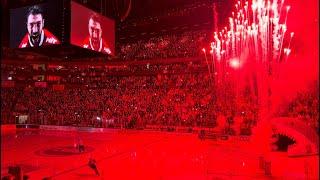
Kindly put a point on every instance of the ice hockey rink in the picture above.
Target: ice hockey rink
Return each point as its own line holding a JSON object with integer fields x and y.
{"x": 142, "y": 154}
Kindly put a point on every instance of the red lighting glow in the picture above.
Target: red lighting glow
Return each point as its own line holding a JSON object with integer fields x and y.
{"x": 234, "y": 63}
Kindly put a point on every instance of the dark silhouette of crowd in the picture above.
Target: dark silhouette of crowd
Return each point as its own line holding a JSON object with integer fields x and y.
{"x": 187, "y": 44}
{"x": 305, "y": 105}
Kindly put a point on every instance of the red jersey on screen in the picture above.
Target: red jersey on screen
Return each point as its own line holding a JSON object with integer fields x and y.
{"x": 103, "y": 46}
{"x": 47, "y": 38}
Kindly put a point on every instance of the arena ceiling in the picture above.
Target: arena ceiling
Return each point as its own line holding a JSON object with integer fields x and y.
{"x": 139, "y": 8}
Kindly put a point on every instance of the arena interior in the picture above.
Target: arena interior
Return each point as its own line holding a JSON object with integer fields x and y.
{"x": 170, "y": 89}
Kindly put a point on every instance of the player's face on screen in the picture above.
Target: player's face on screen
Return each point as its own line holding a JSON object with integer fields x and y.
{"x": 35, "y": 25}
{"x": 95, "y": 30}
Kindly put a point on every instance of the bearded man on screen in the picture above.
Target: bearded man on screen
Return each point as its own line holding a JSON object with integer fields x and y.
{"x": 37, "y": 35}
{"x": 95, "y": 41}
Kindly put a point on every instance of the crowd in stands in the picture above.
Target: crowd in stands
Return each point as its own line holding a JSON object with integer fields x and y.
{"x": 305, "y": 105}
{"x": 153, "y": 99}
{"x": 180, "y": 94}
{"x": 169, "y": 95}
{"x": 181, "y": 11}
{"x": 167, "y": 99}
{"x": 95, "y": 76}
{"x": 187, "y": 44}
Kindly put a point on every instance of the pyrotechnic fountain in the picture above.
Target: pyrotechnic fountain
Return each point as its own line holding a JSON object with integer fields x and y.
{"x": 250, "y": 54}
{"x": 253, "y": 47}
{"x": 254, "y": 43}
{"x": 250, "y": 57}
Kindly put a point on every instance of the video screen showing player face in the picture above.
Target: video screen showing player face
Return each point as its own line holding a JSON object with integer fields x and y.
{"x": 35, "y": 26}
{"x": 91, "y": 30}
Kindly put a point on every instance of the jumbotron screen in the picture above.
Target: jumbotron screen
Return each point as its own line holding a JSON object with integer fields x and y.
{"x": 91, "y": 30}
{"x": 36, "y": 25}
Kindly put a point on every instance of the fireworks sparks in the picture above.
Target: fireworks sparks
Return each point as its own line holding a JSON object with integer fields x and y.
{"x": 254, "y": 44}
{"x": 263, "y": 39}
